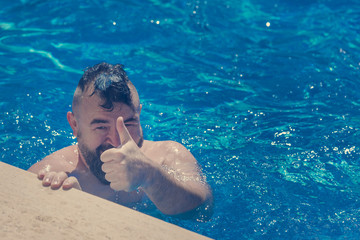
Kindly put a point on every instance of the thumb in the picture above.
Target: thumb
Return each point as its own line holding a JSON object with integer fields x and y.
{"x": 122, "y": 131}
{"x": 71, "y": 182}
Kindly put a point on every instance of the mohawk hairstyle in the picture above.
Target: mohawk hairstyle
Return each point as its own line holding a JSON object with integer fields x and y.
{"x": 109, "y": 82}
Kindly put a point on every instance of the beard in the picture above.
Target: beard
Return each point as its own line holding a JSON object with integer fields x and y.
{"x": 92, "y": 158}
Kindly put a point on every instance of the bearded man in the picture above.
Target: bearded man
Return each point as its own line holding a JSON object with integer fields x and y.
{"x": 112, "y": 160}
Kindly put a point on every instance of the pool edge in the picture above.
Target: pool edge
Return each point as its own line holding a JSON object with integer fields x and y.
{"x": 31, "y": 211}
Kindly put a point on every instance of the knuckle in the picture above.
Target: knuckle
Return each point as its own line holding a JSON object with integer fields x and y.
{"x": 103, "y": 167}
{"x": 113, "y": 186}
{"x": 116, "y": 187}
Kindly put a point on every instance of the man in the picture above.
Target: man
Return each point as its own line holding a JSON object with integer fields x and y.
{"x": 112, "y": 160}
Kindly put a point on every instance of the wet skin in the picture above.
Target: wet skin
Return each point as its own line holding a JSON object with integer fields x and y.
{"x": 165, "y": 171}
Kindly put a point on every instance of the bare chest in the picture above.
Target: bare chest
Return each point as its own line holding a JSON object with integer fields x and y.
{"x": 90, "y": 184}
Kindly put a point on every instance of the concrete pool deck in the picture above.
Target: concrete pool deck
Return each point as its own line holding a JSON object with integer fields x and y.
{"x": 31, "y": 211}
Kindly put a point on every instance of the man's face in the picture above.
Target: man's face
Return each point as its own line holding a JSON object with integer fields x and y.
{"x": 96, "y": 130}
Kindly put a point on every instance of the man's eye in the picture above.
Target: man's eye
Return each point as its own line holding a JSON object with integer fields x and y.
{"x": 132, "y": 122}
{"x": 101, "y": 128}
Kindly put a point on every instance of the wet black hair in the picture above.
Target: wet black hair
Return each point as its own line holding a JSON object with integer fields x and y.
{"x": 109, "y": 82}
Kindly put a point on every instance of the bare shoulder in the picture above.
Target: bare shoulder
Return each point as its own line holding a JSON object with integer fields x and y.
{"x": 164, "y": 147}
{"x": 62, "y": 160}
{"x": 167, "y": 152}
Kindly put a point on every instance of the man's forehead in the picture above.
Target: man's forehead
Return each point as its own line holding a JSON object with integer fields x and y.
{"x": 92, "y": 105}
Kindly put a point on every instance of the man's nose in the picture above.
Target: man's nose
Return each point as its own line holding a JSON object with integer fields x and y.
{"x": 113, "y": 138}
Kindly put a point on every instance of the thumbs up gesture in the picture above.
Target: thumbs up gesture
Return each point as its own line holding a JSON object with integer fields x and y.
{"x": 126, "y": 166}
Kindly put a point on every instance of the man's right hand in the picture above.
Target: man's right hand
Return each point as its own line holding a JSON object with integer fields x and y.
{"x": 57, "y": 179}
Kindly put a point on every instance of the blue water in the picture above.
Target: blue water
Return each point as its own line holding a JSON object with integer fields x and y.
{"x": 265, "y": 94}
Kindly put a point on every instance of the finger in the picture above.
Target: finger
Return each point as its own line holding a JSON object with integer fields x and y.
{"x": 71, "y": 182}
{"x": 108, "y": 155}
{"x": 58, "y": 180}
{"x": 41, "y": 174}
{"x": 107, "y": 167}
{"x": 115, "y": 176}
{"x": 48, "y": 178}
{"x": 122, "y": 131}
{"x": 109, "y": 177}
{"x": 118, "y": 186}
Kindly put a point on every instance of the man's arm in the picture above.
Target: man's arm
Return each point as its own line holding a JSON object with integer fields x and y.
{"x": 175, "y": 185}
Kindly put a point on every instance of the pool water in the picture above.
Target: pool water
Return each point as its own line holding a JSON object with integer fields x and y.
{"x": 265, "y": 94}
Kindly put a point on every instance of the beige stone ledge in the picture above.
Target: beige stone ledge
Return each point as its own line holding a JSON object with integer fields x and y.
{"x": 30, "y": 211}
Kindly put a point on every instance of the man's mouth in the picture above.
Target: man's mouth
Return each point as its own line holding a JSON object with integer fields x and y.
{"x": 102, "y": 149}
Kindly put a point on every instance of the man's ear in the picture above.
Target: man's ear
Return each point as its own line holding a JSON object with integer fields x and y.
{"x": 140, "y": 108}
{"x": 73, "y": 124}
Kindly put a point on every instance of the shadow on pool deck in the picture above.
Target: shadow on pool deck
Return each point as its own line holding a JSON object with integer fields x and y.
{"x": 30, "y": 211}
